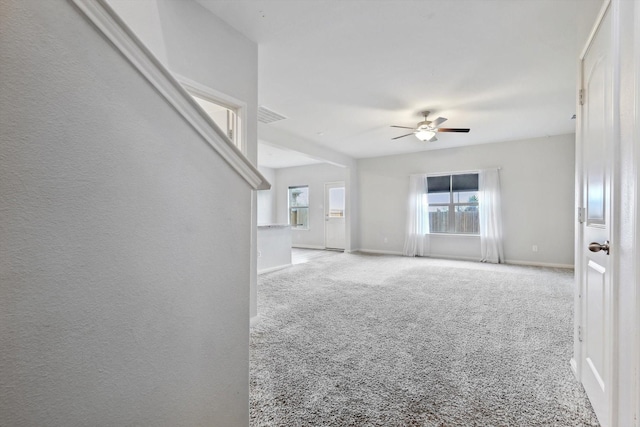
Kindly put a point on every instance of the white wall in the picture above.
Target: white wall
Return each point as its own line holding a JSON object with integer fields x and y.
{"x": 280, "y": 138}
{"x": 537, "y": 191}
{"x": 315, "y": 176}
{"x": 123, "y": 275}
{"x": 205, "y": 50}
{"x": 267, "y": 198}
{"x": 143, "y": 17}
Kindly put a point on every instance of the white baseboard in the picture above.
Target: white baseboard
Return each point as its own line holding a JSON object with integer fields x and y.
{"x": 455, "y": 258}
{"x": 465, "y": 258}
{"x": 539, "y": 264}
{"x": 254, "y": 320}
{"x": 438, "y": 256}
{"x": 574, "y": 367}
{"x": 276, "y": 268}
{"x": 375, "y": 251}
{"x": 301, "y": 246}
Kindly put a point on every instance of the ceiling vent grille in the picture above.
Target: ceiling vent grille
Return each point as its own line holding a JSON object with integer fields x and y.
{"x": 267, "y": 116}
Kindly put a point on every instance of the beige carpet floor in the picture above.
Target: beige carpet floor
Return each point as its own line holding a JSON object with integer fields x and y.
{"x": 363, "y": 340}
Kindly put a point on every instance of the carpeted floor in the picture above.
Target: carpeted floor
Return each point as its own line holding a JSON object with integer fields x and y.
{"x": 365, "y": 340}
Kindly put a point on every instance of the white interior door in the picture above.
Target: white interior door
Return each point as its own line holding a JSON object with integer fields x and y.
{"x": 334, "y": 215}
{"x": 596, "y": 135}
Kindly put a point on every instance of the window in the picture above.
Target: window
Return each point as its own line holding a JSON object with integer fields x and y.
{"x": 453, "y": 204}
{"x": 225, "y": 116}
{"x": 299, "y": 207}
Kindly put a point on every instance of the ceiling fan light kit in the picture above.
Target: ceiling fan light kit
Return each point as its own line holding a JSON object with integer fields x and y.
{"x": 424, "y": 135}
{"x": 426, "y": 129}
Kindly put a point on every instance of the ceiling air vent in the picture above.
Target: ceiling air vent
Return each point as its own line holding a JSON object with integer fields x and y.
{"x": 267, "y": 116}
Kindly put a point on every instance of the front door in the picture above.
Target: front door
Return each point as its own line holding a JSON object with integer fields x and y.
{"x": 596, "y": 139}
{"x": 334, "y": 215}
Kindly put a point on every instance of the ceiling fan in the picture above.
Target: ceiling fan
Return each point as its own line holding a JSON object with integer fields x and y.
{"x": 426, "y": 129}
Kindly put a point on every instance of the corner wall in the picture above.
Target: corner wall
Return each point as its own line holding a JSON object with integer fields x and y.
{"x": 124, "y": 296}
{"x": 537, "y": 179}
{"x": 267, "y": 198}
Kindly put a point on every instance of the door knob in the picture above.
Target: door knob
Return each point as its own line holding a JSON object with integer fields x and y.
{"x": 597, "y": 247}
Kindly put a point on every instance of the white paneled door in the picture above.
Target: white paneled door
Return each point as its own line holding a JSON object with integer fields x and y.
{"x": 596, "y": 298}
{"x": 334, "y": 215}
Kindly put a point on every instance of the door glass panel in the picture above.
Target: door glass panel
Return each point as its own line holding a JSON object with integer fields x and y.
{"x": 336, "y": 202}
{"x": 595, "y": 200}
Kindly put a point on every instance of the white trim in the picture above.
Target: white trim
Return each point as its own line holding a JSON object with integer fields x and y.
{"x": 454, "y": 235}
{"x": 636, "y": 206}
{"x": 255, "y": 320}
{"x": 219, "y": 98}
{"x": 118, "y": 33}
{"x": 303, "y": 246}
{"x": 276, "y": 268}
{"x": 455, "y": 172}
{"x": 377, "y": 252}
{"x": 574, "y": 367}
{"x": 540, "y": 264}
{"x": 434, "y": 256}
{"x": 614, "y": 222}
{"x": 338, "y": 184}
{"x": 594, "y": 30}
{"x": 472, "y": 259}
{"x": 455, "y": 258}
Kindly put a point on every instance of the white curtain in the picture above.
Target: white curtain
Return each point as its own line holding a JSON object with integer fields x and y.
{"x": 490, "y": 216}
{"x": 417, "y": 236}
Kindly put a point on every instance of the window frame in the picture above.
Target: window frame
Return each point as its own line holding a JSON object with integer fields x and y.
{"x": 451, "y": 206}
{"x": 289, "y": 208}
{"x": 239, "y": 108}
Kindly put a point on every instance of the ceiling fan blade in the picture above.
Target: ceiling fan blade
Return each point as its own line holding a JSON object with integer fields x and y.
{"x": 438, "y": 121}
{"x": 433, "y": 139}
{"x": 402, "y": 127}
{"x": 397, "y": 137}
{"x": 453, "y": 130}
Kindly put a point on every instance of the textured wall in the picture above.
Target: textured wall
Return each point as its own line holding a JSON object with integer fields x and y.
{"x": 124, "y": 241}
{"x": 267, "y": 198}
{"x": 537, "y": 193}
{"x": 199, "y": 46}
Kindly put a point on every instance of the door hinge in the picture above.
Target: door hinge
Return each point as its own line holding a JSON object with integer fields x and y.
{"x": 581, "y": 214}
{"x": 580, "y": 333}
{"x": 581, "y": 96}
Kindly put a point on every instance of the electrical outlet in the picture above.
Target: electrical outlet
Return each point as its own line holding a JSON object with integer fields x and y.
{"x": 534, "y": 248}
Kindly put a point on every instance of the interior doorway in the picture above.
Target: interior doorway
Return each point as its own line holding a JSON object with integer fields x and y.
{"x": 334, "y": 214}
{"x": 595, "y": 308}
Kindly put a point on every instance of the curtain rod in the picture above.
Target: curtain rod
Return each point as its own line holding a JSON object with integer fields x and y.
{"x": 455, "y": 173}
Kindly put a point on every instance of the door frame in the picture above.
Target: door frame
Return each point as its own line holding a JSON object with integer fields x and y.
{"x": 612, "y": 341}
{"x": 346, "y": 212}
{"x": 636, "y": 249}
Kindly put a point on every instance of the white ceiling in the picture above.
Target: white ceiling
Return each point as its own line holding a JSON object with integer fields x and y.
{"x": 274, "y": 157}
{"x": 343, "y": 71}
